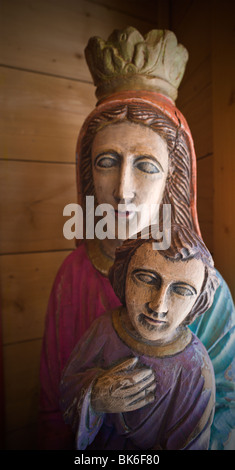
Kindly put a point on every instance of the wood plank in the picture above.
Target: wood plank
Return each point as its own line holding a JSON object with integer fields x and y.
{"x": 22, "y": 438}
{"x": 50, "y": 35}
{"x": 33, "y": 196}
{"x": 41, "y": 116}
{"x": 191, "y": 22}
{"x": 207, "y": 235}
{"x": 223, "y": 73}
{"x": 153, "y": 11}
{"x": 21, "y": 365}
{"x": 2, "y": 394}
{"x": 26, "y": 282}
{"x": 195, "y": 102}
{"x": 205, "y": 199}
{"x": 178, "y": 10}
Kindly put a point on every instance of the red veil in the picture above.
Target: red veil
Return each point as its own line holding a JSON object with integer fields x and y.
{"x": 162, "y": 104}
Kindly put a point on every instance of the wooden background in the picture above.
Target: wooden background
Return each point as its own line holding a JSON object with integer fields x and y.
{"x": 46, "y": 93}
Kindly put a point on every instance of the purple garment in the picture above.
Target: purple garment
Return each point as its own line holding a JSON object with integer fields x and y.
{"x": 79, "y": 295}
{"x": 179, "y": 418}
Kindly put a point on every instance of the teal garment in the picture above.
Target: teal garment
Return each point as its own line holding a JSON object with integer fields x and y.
{"x": 216, "y": 330}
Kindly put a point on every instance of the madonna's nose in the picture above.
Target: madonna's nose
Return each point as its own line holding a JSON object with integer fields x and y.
{"x": 124, "y": 190}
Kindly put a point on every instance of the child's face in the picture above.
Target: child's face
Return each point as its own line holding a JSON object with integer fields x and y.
{"x": 160, "y": 293}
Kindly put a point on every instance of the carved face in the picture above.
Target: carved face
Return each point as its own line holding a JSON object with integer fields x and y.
{"x": 160, "y": 293}
{"x": 130, "y": 166}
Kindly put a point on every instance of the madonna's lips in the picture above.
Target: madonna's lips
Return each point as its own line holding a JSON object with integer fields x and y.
{"x": 124, "y": 214}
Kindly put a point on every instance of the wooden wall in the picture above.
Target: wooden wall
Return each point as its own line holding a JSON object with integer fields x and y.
{"x": 191, "y": 22}
{"x": 206, "y": 98}
{"x": 46, "y": 93}
{"x": 223, "y": 101}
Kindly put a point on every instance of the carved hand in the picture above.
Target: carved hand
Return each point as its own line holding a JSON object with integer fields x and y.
{"x": 123, "y": 388}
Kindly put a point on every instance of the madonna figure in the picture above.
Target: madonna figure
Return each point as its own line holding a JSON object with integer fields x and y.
{"x": 134, "y": 148}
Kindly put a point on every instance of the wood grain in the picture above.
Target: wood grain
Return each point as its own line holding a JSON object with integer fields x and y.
{"x": 223, "y": 71}
{"x": 23, "y": 438}
{"x": 153, "y": 11}
{"x": 191, "y": 22}
{"x": 50, "y": 36}
{"x": 195, "y": 102}
{"x": 41, "y": 116}
{"x": 33, "y": 196}
{"x": 205, "y": 199}
{"x": 26, "y": 282}
{"x": 22, "y": 383}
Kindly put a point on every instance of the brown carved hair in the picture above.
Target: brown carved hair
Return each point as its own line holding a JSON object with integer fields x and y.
{"x": 177, "y": 190}
{"x": 185, "y": 245}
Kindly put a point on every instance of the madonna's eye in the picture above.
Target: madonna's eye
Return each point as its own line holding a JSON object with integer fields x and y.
{"x": 147, "y": 166}
{"x": 183, "y": 290}
{"x": 106, "y": 161}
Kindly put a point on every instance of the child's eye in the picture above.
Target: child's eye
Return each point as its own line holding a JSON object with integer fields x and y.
{"x": 183, "y": 290}
{"x": 147, "y": 278}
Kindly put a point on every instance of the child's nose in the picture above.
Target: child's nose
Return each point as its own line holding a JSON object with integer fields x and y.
{"x": 159, "y": 302}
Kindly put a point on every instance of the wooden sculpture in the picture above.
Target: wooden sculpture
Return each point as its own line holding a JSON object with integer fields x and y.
{"x": 134, "y": 148}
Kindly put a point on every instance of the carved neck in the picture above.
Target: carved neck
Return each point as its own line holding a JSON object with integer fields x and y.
{"x": 127, "y": 334}
{"x": 108, "y": 247}
{"x": 102, "y": 253}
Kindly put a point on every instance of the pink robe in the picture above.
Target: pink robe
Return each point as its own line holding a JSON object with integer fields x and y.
{"x": 79, "y": 295}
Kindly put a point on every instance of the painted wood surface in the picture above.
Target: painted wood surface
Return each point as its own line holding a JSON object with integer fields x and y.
{"x": 46, "y": 93}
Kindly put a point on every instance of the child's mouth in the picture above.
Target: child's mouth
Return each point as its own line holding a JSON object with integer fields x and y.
{"x": 152, "y": 321}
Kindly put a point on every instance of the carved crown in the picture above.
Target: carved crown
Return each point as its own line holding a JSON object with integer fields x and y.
{"x": 129, "y": 61}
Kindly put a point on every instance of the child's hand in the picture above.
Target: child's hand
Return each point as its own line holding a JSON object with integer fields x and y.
{"x": 123, "y": 388}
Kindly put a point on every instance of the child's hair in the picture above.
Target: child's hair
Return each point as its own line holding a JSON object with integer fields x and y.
{"x": 185, "y": 245}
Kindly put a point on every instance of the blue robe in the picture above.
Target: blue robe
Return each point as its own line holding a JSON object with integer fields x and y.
{"x": 216, "y": 330}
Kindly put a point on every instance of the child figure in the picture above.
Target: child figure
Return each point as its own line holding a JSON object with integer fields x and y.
{"x": 139, "y": 379}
